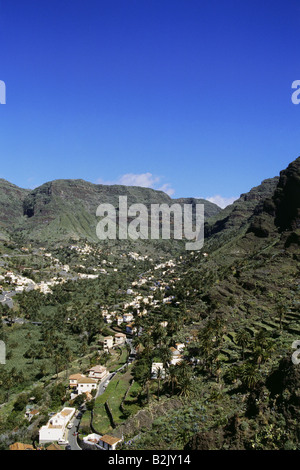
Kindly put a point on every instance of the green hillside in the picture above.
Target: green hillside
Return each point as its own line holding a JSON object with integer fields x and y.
{"x": 64, "y": 209}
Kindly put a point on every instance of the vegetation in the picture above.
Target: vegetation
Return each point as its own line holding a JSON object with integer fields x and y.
{"x": 234, "y": 306}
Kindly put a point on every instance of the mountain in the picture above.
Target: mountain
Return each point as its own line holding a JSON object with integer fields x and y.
{"x": 235, "y": 306}
{"x": 11, "y": 206}
{"x": 235, "y": 219}
{"x": 64, "y": 209}
{"x": 241, "y": 296}
{"x": 287, "y": 198}
{"x": 251, "y": 243}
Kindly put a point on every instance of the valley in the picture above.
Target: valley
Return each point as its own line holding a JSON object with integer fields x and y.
{"x": 198, "y": 344}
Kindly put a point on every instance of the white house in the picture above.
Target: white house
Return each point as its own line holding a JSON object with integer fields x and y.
{"x": 31, "y": 414}
{"x": 180, "y": 346}
{"x": 98, "y": 372}
{"x": 108, "y": 317}
{"x": 73, "y": 380}
{"x": 120, "y": 338}
{"x": 176, "y": 356}
{"x": 127, "y": 317}
{"x": 108, "y": 342}
{"x": 92, "y": 439}
{"x": 86, "y": 384}
{"x": 107, "y": 442}
{"x": 54, "y": 430}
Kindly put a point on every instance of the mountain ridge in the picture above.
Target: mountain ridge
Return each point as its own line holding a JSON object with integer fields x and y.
{"x": 66, "y": 208}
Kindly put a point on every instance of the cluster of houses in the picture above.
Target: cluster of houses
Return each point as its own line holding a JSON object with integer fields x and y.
{"x": 126, "y": 318}
{"x": 108, "y": 342}
{"x": 55, "y": 429}
{"x": 110, "y": 317}
{"x": 21, "y": 283}
{"x": 80, "y": 383}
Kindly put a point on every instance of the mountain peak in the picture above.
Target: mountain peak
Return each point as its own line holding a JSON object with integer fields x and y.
{"x": 287, "y": 197}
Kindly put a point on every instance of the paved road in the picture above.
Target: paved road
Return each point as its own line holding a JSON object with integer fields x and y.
{"x": 75, "y": 426}
{"x": 103, "y": 384}
{"x": 73, "y": 444}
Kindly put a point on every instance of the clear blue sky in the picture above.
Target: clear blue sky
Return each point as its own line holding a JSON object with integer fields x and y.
{"x": 187, "y": 95}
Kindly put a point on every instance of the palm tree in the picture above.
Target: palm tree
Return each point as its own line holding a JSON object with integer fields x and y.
{"x": 165, "y": 355}
{"x": 58, "y": 362}
{"x": 263, "y": 351}
{"x": 250, "y": 375}
{"x": 184, "y": 378}
{"x": 233, "y": 373}
{"x": 281, "y": 308}
{"x": 147, "y": 343}
{"x": 159, "y": 335}
{"x": 173, "y": 376}
{"x": 242, "y": 339}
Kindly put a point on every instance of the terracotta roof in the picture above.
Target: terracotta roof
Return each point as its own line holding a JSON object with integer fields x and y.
{"x": 54, "y": 447}
{"x": 66, "y": 411}
{"x": 110, "y": 440}
{"x": 21, "y": 446}
{"x": 87, "y": 380}
{"x": 98, "y": 369}
{"x": 75, "y": 377}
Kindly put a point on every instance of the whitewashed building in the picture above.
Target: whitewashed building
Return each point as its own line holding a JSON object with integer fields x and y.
{"x": 98, "y": 372}
{"x": 107, "y": 442}
{"x": 55, "y": 429}
{"x": 86, "y": 384}
{"x": 120, "y": 338}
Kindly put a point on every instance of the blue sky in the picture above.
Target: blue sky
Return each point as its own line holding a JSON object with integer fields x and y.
{"x": 189, "y": 96}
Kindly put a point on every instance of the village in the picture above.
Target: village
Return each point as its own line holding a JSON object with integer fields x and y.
{"x": 61, "y": 430}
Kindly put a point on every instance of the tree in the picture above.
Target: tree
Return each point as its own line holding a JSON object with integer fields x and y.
{"x": 281, "y": 310}
{"x": 184, "y": 378}
{"x": 242, "y": 339}
{"x": 173, "y": 377}
{"x": 142, "y": 374}
{"x": 20, "y": 402}
{"x": 90, "y": 405}
{"x": 249, "y": 375}
{"x": 58, "y": 362}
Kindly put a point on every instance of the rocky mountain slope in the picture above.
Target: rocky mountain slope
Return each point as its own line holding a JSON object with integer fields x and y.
{"x": 241, "y": 295}
{"x": 64, "y": 209}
